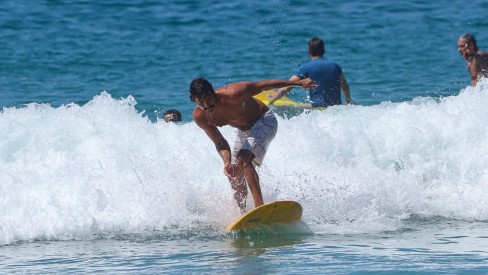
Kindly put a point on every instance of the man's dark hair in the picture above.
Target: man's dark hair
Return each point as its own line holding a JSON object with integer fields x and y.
{"x": 470, "y": 39}
{"x": 175, "y": 115}
{"x": 316, "y": 47}
{"x": 200, "y": 87}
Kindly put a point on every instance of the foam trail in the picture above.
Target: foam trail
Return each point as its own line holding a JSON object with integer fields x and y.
{"x": 103, "y": 168}
{"x": 363, "y": 169}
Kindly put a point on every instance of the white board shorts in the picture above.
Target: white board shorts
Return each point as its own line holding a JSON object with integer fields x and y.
{"x": 257, "y": 138}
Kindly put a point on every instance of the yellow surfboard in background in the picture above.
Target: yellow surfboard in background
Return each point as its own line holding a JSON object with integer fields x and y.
{"x": 265, "y": 96}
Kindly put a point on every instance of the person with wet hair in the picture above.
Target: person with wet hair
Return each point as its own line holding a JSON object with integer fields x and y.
{"x": 234, "y": 105}
{"x": 172, "y": 115}
{"x": 476, "y": 59}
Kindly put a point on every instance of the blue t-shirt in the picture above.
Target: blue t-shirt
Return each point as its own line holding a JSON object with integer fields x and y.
{"x": 326, "y": 73}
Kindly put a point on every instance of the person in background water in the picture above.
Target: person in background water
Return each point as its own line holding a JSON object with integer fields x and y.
{"x": 172, "y": 116}
{"x": 326, "y": 73}
{"x": 476, "y": 59}
{"x": 234, "y": 105}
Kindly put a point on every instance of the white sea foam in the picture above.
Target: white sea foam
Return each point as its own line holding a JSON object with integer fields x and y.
{"x": 103, "y": 168}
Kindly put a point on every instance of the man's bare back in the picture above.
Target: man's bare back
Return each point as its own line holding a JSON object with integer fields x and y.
{"x": 242, "y": 110}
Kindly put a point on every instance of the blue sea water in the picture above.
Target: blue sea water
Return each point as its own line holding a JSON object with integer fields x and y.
{"x": 92, "y": 180}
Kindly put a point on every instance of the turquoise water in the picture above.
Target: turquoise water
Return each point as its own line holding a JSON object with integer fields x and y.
{"x": 61, "y": 52}
{"x": 92, "y": 181}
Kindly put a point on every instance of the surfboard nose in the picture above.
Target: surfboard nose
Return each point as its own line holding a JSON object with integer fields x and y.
{"x": 268, "y": 214}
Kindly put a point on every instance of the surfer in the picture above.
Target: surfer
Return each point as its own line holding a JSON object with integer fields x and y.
{"x": 234, "y": 105}
{"x": 476, "y": 59}
{"x": 327, "y": 74}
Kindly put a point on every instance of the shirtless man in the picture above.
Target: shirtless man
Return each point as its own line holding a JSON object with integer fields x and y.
{"x": 234, "y": 105}
{"x": 476, "y": 59}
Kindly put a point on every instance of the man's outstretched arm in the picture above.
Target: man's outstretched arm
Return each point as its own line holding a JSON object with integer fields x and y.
{"x": 254, "y": 88}
{"x": 281, "y": 92}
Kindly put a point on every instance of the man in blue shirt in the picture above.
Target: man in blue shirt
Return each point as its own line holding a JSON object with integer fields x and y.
{"x": 326, "y": 73}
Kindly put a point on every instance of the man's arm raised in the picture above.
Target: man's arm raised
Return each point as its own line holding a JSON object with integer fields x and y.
{"x": 254, "y": 88}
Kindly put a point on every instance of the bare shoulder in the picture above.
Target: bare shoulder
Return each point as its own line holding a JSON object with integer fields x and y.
{"x": 234, "y": 90}
{"x": 484, "y": 56}
{"x": 481, "y": 55}
{"x": 199, "y": 117}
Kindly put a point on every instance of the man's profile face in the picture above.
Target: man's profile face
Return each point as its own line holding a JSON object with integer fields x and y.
{"x": 207, "y": 103}
{"x": 465, "y": 48}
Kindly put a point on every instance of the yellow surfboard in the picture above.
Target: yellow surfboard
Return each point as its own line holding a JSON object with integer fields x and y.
{"x": 265, "y": 96}
{"x": 268, "y": 214}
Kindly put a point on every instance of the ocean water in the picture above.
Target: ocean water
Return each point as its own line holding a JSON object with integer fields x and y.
{"x": 92, "y": 180}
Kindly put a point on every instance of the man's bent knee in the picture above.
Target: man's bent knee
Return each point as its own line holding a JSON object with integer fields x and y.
{"x": 244, "y": 158}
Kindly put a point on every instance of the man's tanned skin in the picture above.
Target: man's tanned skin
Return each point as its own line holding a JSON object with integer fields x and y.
{"x": 234, "y": 105}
